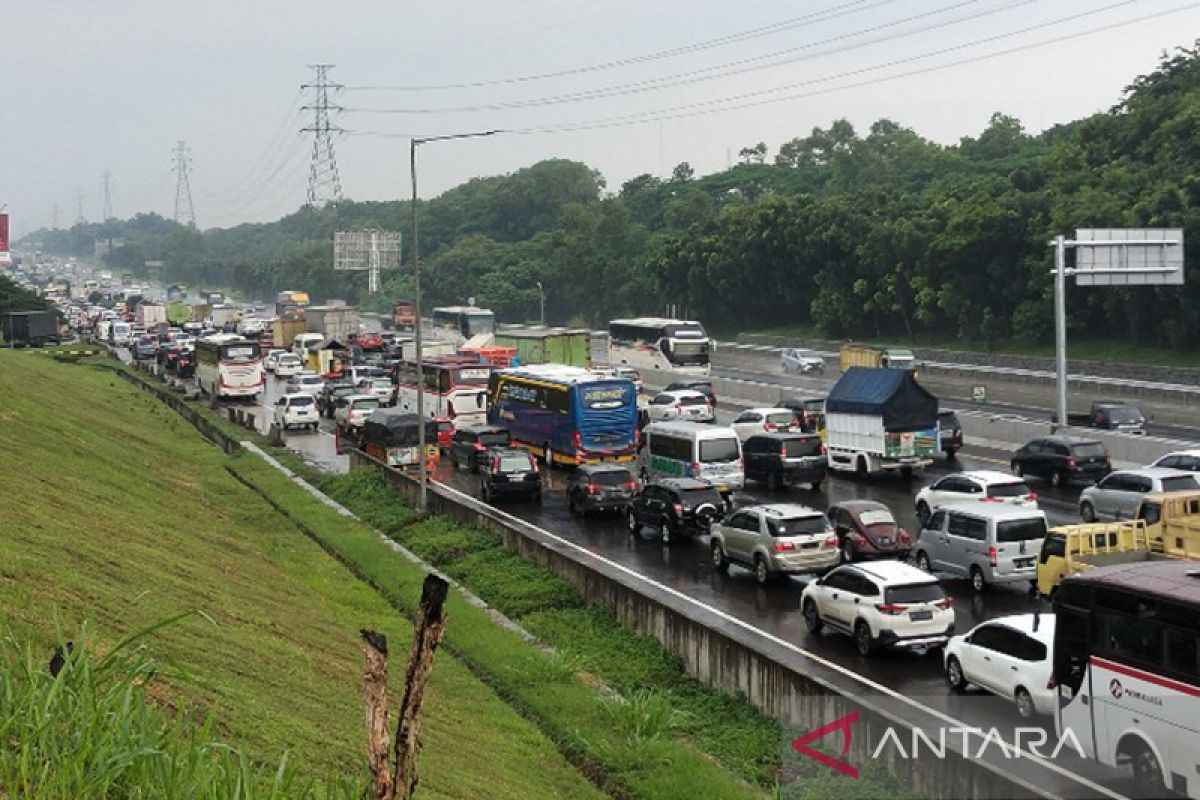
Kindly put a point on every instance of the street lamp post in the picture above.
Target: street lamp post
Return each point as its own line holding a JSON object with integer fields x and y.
{"x": 541, "y": 304}
{"x": 423, "y": 472}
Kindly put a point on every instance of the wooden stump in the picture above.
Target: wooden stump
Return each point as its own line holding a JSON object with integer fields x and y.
{"x": 427, "y": 635}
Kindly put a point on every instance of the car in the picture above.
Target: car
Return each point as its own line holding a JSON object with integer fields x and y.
{"x": 704, "y": 387}
{"x": 145, "y": 348}
{"x": 784, "y": 459}
{"x": 271, "y": 358}
{"x": 764, "y": 420}
{"x": 682, "y": 404}
{"x": 880, "y": 604}
{"x": 288, "y": 364}
{"x": 355, "y": 408}
{"x": 309, "y": 382}
{"x": 1008, "y": 656}
{"x": 950, "y": 433}
{"x": 629, "y": 373}
{"x": 773, "y": 540}
{"x": 331, "y": 393}
{"x": 1062, "y": 460}
{"x": 361, "y": 372}
{"x": 508, "y": 472}
{"x": 600, "y": 487}
{"x": 982, "y": 485}
{"x": 809, "y": 410}
{"x": 1187, "y": 460}
{"x": 866, "y": 529}
{"x": 383, "y": 388}
{"x": 984, "y": 542}
{"x": 1119, "y": 493}
{"x": 468, "y": 444}
{"x": 798, "y": 359}
{"x": 297, "y": 409}
{"x": 675, "y": 507}
{"x": 185, "y": 341}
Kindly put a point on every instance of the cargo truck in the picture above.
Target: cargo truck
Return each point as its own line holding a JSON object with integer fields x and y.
{"x": 225, "y": 318}
{"x": 866, "y": 355}
{"x": 32, "y": 328}
{"x": 536, "y": 345}
{"x": 1166, "y": 525}
{"x": 880, "y": 420}
{"x": 149, "y": 315}
{"x": 404, "y": 315}
{"x": 336, "y": 323}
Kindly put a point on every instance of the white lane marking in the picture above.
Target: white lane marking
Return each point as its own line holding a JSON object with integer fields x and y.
{"x": 958, "y": 724}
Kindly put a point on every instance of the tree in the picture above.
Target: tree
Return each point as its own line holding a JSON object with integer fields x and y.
{"x": 753, "y": 155}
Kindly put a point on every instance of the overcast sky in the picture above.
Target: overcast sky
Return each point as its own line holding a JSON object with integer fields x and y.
{"x": 93, "y": 86}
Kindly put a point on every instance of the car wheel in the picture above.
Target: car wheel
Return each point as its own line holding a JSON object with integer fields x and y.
{"x": 847, "y": 552}
{"x": 573, "y": 504}
{"x": 537, "y": 497}
{"x": 719, "y": 561}
{"x": 1025, "y": 705}
{"x": 923, "y": 513}
{"x": 454, "y": 462}
{"x": 1017, "y": 469}
{"x": 862, "y": 638}
{"x": 954, "y": 674}
{"x": 485, "y": 494}
{"x": 977, "y": 582}
{"x": 923, "y": 561}
{"x": 762, "y": 572}
{"x": 1057, "y": 478}
{"x": 635, "y": 528}
{"x": 1087, "y": 511}
{"x": 812, "y": 617}
{"x": 774, "y": 484}
{"x": 1142, "y": 763}
{"x": 952, "y": 453}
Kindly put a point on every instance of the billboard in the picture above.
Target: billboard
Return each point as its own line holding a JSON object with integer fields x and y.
{"x": 3, "y": 233}
{"x": 1128, "y": 257}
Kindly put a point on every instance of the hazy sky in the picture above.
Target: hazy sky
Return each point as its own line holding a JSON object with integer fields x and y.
{"x": 91, "y": 85}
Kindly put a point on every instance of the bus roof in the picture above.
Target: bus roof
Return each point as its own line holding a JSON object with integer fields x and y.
{"x": 462, "y": 310}
{"x": 653, "y": 322}
{"x": 563, "y": 373}
{"x": 1173, "y": 579}
{"x": 538, "y": 332}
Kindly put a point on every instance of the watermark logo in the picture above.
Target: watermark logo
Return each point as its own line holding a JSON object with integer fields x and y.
{"x": 800, "y": 744}
{"x": 1116, "y": 688}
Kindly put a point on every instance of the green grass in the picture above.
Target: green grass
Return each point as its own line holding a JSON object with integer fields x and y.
{"x": 728, "y": 729}
{"x": 547, "y": 686}
{"x": 1111, "y": 351}
{"x": 118, "y": 513}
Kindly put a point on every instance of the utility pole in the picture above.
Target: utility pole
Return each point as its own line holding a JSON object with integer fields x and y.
{"x": 108, "y": 193}
{"x": 541, "y": 304}
{"x": 324, "y": 184}
{"x": 183, "y": 187}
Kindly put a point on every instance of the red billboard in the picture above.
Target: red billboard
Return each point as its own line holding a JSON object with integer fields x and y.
{"x": 3, "y": 233}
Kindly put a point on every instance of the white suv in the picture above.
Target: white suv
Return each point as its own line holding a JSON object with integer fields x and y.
{"x": 356, "y": 410}
{"x": 288, "y": 364}
{"x": 989, "y": 486}
{"x": 754, "y": 421}
{"x": 271, "y": 358}
{"x": 298, "y": 409}
{"x": 880, "y": 604}
{"x": 796, "y": 359}
{"x": 683, "y": 404}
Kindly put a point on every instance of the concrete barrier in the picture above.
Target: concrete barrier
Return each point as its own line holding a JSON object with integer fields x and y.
{"x": 795, "y": 686}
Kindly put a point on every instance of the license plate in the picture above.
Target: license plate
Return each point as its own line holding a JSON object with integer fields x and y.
{"x": 918, "y": 616}
{"x": 1021, "y": 563}
{"x": 885, "y": 540}
{"x": 517, "y": 476}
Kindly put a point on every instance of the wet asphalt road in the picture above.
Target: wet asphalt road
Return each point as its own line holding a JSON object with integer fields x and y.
{"x": 684, "y": 565}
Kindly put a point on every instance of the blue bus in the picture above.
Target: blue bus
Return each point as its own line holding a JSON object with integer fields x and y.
{"x": 566, "y": 415}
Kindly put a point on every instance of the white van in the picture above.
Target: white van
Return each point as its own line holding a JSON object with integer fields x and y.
{"x": 121, "y": 333}
{"x": 694, "y": 450}
{"x": 986, "y": 542}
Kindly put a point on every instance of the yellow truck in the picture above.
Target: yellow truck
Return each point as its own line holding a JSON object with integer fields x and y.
{"x": 867, "y": 355}
{"x": 1167, "y": 525}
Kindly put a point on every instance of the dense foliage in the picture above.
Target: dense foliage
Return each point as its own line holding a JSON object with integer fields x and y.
{"x": 882, "y": 234}
{"x": 17, "y": 298}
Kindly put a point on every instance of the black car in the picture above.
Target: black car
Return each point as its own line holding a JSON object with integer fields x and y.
{"x": 600, "y": 487}
{"x": 509, "y": 472}
{"x": 675, "y": 507}
{"x": 809, "y": 410}
{"x": 703, "y": 387}
{"x": 780, "y": 459}
{"x": 168, "y": 357}
{"x": 950, "y": 434}
{"x": 331, "y": 394}
{"x": 468, "y": 445}
{"x": 1062, "y": 460}
{"x": 185, "y": 364}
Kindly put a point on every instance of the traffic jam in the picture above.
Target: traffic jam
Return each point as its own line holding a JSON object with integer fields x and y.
{"x": 853, "y": 518}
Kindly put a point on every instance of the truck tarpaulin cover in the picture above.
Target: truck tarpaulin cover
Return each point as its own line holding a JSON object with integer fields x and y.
{"x": 892, "y": 393}
{"x": 3, "y": 233}
{"x": 390, "y": 428}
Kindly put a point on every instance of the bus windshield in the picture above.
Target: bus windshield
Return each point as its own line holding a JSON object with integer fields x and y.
{"x": 239, "y": 353}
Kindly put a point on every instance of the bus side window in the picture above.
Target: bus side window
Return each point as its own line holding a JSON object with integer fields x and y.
{"x": 1150, "y": 512}
{"x": 1071, "y": 648}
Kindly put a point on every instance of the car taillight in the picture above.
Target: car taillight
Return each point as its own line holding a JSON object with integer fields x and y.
{"x": 783, "y": 547}
{"x": 783, "y": 451}
{"x": 679, "y": 408}
{"x": 831, "y": 541}
{"x": 578, "y": 441}
{"x": 903, "y": 536}
{"x": 1031, "y": 496}
{"x": 1071, "y": 461}
{"x": 944, "y": 603}
{"x": 679, "y": 509}
{"x": 992, "y": 556}
{"x": 990, "y": 499}
{"x": 594, "y": 489}
{"x": 890, "y": 609}
{"x": 696, "y": 469}
{"x": 479, "y": 447}
{"x": 630, "y": 485}
{"x": 768, "y": 426}
{"x": 822, "y": 450}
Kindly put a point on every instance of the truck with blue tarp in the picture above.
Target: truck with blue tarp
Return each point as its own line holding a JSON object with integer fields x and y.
{"x": 880, "y": 420}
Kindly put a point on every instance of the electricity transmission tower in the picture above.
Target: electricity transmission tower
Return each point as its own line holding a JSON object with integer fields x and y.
{"x": 108, "y": 193}
{"x": 324, "y": 185}
{"x": 183, "y": 188}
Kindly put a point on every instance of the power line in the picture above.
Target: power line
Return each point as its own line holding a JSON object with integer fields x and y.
{"x": 266, "y": 159}
{"x": 742, "y": 66}
{"x": 324, "y": 185}
{"x": 183, "y": 187}
{"x": 703, "y": 108}
{"x": 776, "y": 27}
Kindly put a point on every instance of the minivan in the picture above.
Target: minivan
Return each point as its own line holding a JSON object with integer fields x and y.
{"x": 693, "y": 450}
{"x": 986, "y": 543}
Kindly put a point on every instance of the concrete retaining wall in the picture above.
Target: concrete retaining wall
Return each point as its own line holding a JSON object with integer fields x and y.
{"x": 796, "y": 687}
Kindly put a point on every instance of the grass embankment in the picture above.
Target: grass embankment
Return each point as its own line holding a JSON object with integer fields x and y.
{"x": 1109, "y": 351}
{"x": 117, "y": 512}
{"x": 653, "y": 744}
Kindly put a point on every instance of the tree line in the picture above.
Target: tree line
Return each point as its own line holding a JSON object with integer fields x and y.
{"x": 881, "y": 233}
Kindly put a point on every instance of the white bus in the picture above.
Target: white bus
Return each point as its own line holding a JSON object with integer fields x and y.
{"x": 655, "y": 343}
{"x": 460, "y": 323}
{"x": 455, "y": 388}
{"x": 1127, "y": 670}
{"x": 229, "y": 367}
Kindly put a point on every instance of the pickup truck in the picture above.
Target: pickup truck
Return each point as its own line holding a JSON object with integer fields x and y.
{"x": 1167, "y": 525}
{"x": 1109, "y": 415}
